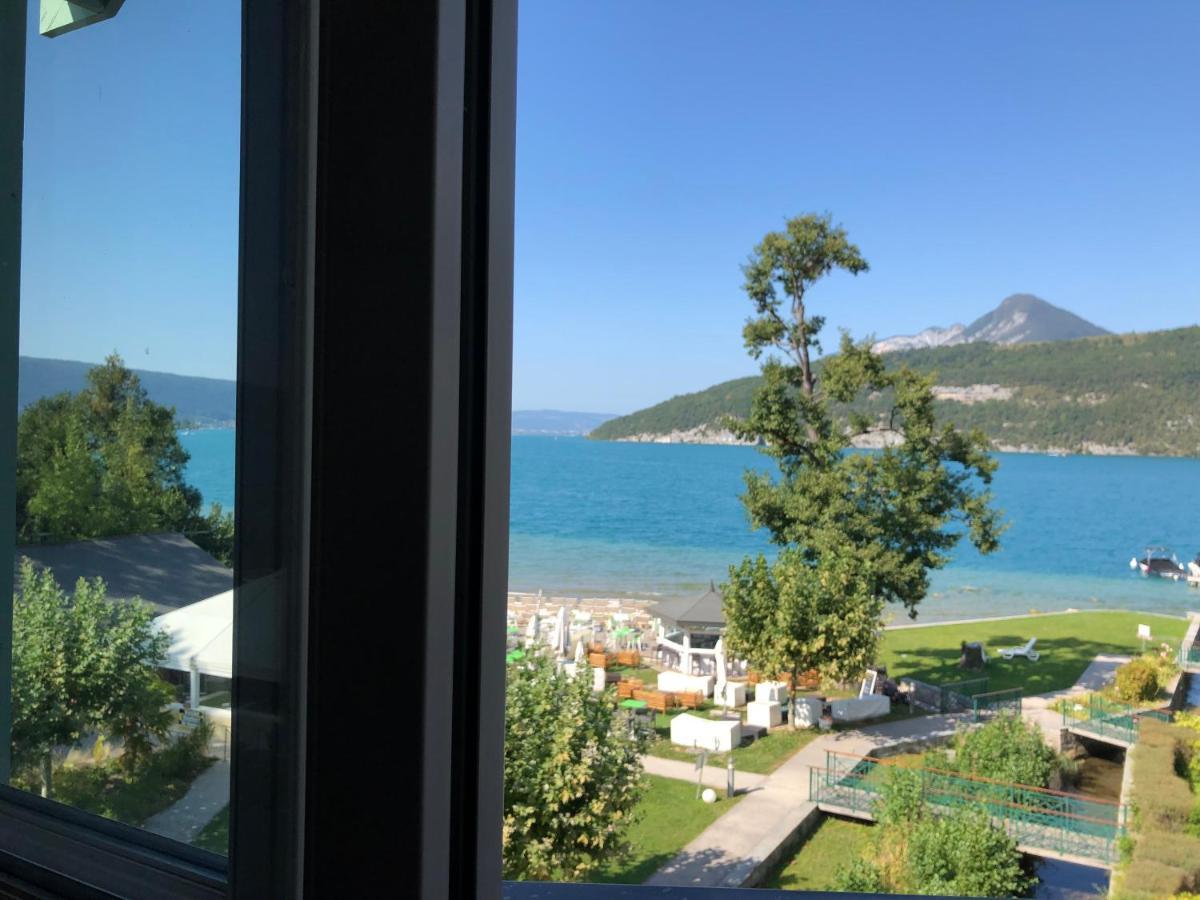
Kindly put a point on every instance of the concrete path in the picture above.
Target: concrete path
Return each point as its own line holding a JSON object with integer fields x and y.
{"x": 1039, "y": 708}
{"x": 738, "y": 847}
{"x": 714, "y": 776}
{"x": 186, "y": 818}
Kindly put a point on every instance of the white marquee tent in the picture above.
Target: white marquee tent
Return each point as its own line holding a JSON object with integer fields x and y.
{"x": 201, "y": 640}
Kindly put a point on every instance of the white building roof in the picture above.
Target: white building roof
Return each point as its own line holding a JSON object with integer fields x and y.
{"x": 201, "y": 633}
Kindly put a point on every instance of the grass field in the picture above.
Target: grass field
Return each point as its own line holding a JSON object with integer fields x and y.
{"x": 215, "y": 836}
{"x": 835, "y": 843}
{"x": 1067, "y": 643}
{"x": 670, "y": 817}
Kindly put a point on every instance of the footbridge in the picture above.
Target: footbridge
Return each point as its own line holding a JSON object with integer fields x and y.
{"x": 1107, "y": 720}
{"x": 1044, "y": 823}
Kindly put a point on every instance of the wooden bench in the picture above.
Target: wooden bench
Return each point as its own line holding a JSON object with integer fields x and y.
{"x": 659, "y": 701}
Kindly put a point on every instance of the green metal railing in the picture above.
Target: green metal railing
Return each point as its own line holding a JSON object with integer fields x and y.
{"x": 1038, "y": 819}
{"x": 1109, "y": 718}
{"x": 945, "y": 698}
{"x": 996, "y": 702}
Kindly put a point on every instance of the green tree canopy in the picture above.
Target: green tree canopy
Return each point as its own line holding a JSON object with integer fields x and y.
{"x": 889, "y": 516}
{"x": 82, "y": 664}
{"x": 107, "y": 461}
{"x": 572, "y": 774}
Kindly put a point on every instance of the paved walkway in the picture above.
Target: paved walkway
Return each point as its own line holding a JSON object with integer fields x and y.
{"x": 186, "y": 818}
{"x": 729, "y": 851}
{"x": 714, "y": 776}
{"x": 1039, "y": 708}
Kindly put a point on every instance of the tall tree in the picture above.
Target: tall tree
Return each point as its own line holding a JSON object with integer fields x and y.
{"x": 572, "y": 775}
{"x": 891, "y": 515}
{"x": 108, "y": 461}
{"x": 80, "y": 665}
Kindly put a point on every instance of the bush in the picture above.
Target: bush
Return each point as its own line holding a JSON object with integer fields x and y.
{"x": 1137, "y": 681}
{"x": 964, "y": 855}
{"x": 572, "y": 775}
{"x": 1006, "y": 749}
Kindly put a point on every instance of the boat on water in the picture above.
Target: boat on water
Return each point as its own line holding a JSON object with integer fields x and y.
{"x": 1159, "y": 562}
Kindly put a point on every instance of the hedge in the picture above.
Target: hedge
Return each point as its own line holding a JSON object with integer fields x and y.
{"x": 1165, "y": 860}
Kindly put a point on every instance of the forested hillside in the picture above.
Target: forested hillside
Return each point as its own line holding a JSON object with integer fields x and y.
{"x": 1130, "y": 393}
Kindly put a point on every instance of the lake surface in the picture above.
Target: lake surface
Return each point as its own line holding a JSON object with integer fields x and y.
{"x": 590, "y": 518}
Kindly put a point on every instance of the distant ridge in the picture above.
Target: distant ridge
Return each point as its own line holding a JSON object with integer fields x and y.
{"x": 556, "y": 421}
{"x": 1111, "y": 394}
{"x": 204, "y": 402}
{"x": 1019, "y": 319}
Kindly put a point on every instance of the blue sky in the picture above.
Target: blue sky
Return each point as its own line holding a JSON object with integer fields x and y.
{"x": 972, "y": 150}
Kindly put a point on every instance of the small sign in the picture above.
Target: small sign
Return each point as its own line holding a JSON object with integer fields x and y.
{"x": 192, "y": 717}
{"x": 1144, "y": 632}
{"x": 868, "y": 684}
{"x": 701, "y": 760}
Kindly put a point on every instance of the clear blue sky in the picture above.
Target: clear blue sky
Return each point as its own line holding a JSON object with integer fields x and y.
{"x": 973, "y": 150}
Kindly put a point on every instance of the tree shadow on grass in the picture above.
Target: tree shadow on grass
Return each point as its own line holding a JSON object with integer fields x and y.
{"x": 1062, "y": 661}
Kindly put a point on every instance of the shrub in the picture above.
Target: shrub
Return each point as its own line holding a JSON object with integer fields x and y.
{"x": 1007, "y": 749}
{"x": 964, "y": 855}
{"x": 572, "y": 775}
{"x": 1137, "y": 681}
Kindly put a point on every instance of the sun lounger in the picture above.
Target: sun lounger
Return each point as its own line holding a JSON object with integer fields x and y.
{"x": 1026, "y": 651}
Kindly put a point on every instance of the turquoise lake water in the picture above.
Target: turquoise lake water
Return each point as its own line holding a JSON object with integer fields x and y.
{"x": 609, "y": 519}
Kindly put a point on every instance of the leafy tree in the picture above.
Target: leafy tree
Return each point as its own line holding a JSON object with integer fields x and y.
{"x": 792, "y": 616}
{"x": 82, "y": 664}
{"x": 896, "y": 513}
{"x": 108, "y": 461}
{"x": 572, "y": 775}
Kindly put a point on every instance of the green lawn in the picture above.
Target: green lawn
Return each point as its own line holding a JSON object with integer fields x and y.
{"x": 215, "y": 836}
{"x": 1067, "y": 643}
{"x": 111, "y": 791}
{"x": 670, "y": 817}
{"x": 835, "y": 843}
{"x": 763, "y": 756}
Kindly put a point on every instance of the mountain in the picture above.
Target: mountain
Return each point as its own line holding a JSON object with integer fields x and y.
{"x": 556, "y": 421}
{"x": 197, "y": 401}
{"x": 1019, "y": 319}
{"x": 1126, "y": 393}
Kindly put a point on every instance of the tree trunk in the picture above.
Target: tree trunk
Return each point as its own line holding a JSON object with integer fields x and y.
{"x": 47, "y": 776}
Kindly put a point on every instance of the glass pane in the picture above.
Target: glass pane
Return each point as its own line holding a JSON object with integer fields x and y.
{"x": 855, "y": 448}
{"x": 123, "y": 606}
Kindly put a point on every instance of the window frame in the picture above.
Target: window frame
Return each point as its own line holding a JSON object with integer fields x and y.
{"x": 441, "y": 139}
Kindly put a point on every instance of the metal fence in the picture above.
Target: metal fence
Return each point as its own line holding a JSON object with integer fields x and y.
{"x": 1038, "y": 819}
{"x": 1109, "y": 718}
{"x": 993, "y": 702}
{"x": 944, "y": 698}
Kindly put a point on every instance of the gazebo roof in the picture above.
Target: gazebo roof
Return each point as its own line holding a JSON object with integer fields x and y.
{"x": 701, "y": 613}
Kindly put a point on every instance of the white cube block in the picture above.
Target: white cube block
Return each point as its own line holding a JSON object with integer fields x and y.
{"x": 598, "y": 680}
{"x": 733, "y": 693}
{"x": 770, "y": 691}
{"x": 860, "y": 708}
{"x": 764, "y": 713}
{"x": 807, "y": 711}
{"x": 707, "y": 734}
{"x": 676, "y": 682}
